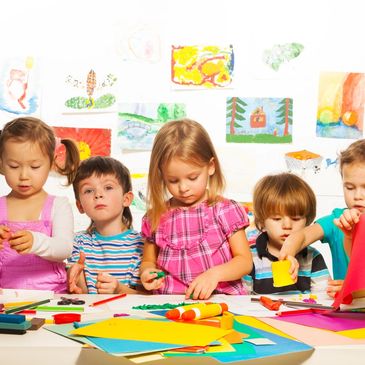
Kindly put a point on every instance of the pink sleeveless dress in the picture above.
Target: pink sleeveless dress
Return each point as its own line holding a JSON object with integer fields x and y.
{"x": 30, "y": 271}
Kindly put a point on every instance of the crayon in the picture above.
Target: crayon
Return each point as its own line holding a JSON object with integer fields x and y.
{"x": 177, "y": 312}
{"x": 210, "y": 310}
{"x": 28, "y": 306}
{"x": 59, "y": 308}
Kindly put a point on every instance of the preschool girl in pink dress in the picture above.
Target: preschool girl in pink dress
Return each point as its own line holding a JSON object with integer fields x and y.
{"x": 195, "y": 236}
{"x": 36, "y": 229}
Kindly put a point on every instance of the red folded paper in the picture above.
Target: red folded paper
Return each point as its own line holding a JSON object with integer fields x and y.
{"x": 355, "y": 277}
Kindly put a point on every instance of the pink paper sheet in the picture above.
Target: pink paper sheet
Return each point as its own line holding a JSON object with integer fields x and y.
{"x": 355, "y": 277}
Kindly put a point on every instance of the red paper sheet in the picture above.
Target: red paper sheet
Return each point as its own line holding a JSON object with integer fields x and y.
{"x": 355, "y": 277}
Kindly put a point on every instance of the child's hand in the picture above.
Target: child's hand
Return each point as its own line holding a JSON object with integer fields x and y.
{"x": 202, "y": 286}
{"x": 21, "y": 241}
{"x": 347, "y": 221}
{"x": 334, "y": 286}
{"x": 5, "y": 234}
{"x": 294, "y": 267}
{"x": 149, "y": 279}
{"x": 106, "y": 284}
{"x": 73, "y": 275}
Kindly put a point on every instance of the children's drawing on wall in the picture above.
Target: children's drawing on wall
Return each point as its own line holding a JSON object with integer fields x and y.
{"x": 139, "y": 184}
{"x": 90, "y": 141}
{"x": 331, "y": 162}
{"x": 340, "y": 110}
{"x": 90, "y": 91}
{"x": 281, "y": 53}
{"x": 202, "y": 66}
{"x": 259, "y": 120}
{"x": 139, "y": 123}
{"x": 19, "y": 86}
{"x": 301, "y": 161}
{"x": 137, "y": 42}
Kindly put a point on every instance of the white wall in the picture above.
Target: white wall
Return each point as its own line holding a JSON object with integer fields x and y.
{"x": 65, "y": 33}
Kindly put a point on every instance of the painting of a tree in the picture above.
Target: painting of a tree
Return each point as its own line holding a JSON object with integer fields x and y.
{"x": 235, "y": 111}
{"x": 285, "y": 114}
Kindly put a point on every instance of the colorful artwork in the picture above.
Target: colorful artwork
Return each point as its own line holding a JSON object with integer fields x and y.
{"x": 139, "y": 183}
{"x": 202, "y": 66}
{"x": 96, "y": 89}
{"x": 281, "y": 53}
{"x": 19, "y": 87}
{"x": 91, "y": 142}
{"x": 259, "y": 120}
{"x": 251, "y": 231}
{"x": 139, "y": 123}
{"x": 340, "y": 111}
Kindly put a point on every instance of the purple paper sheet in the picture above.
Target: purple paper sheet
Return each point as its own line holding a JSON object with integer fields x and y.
{"x": 328, "y": 322}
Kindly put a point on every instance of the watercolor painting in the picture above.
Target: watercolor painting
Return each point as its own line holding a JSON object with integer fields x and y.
{"x": 19, "y": 86}
{"x": 90, "y": 141}
{"x": 90, "y": 91}
{"x": 259, "y": 120}
{"x": 202, "y": 66}
{"x": 138, "y": 42}
{"x": 139, "y": 122}
{"x": 340, "y": 111}
{"x": 303, "y": 160}
{"x": 281, "y": 53}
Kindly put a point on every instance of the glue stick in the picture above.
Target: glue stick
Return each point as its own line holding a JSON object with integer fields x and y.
{"x": 210, "y": 310}
{"x": 177, "y": 312}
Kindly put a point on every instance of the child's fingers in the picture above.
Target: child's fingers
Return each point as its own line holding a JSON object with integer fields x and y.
{"x": 81, "y": 259}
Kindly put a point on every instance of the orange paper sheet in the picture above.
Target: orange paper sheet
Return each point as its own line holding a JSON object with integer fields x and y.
{"x": 153, "y": 331}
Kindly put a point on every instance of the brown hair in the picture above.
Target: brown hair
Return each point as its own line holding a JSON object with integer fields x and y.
{"x": 190, "y": 142}
{"x": 355, "y": 153}
{"x": 34, "y": 130}
{"x": 100, "y": 166}
{"x": 283, "y": 193}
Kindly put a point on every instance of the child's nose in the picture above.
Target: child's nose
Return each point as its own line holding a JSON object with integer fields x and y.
{"x": 287, "y": 223}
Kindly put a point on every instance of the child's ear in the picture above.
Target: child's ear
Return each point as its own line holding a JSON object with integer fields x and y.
{"x": 128, "y": 198}
{"x": 79, "y": 207}
{"x": 211, "y": 167}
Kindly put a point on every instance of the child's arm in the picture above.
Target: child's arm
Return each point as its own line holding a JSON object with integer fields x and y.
{"x": 346, "y": 223}
{"x": 320, "y": 275}
{"x": 240, "y": 264}
{"x": 58, "y": 247}
{"x": 76, "y": 282}
{"x": 107, "y": 284}
{"x": 148, "y": 270}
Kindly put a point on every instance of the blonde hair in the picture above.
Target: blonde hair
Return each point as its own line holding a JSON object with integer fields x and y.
{"x": 34, "y": 130}
{"x": 190, "y": 142}
{"x": 355, "y": 153}
{"x": 283, "y": 193}
{"x": 100, "y": 166}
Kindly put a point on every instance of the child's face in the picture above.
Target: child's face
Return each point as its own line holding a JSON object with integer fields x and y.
{"x": 353, "y": 181}
{"x": 102, "y": 199}
{"x": 25, "y": 167}
{"x": 279, "y": 227}
{"x": 187, "y": 183}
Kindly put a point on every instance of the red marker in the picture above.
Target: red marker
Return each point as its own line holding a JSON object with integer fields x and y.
{"x": 210, "y": 310}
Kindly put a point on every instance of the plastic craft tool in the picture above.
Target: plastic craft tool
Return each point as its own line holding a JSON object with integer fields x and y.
{"x": 28, "y": 306}
{"x": 295, "y": 304}
{"x": 15, "y": 326}
{"x": 36, "y": 323}
{"x": 210, "y": 310}
{"x": 107, "y": 300}
{"x": 12, "y": 331}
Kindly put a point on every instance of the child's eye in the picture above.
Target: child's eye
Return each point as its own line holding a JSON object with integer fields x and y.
{"x": 349, "y": 187}
{"x": 35, "y": 167}
{"x": 109, "y": 187}
{"x": 87, "y": 191}
{"x": 296, "y": 218}
{"x": 192, "y": 178}
{"x": 172, "y": 181}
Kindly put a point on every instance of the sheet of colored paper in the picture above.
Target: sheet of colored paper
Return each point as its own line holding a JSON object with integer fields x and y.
{"x": 325, "y": 322}
{"x": 358, "y": 333}
{"x": 153, "y": 331}
{"x": 355, "y": 276}
{"x": 280, "y": 273}
{"x": 310, "y": 335}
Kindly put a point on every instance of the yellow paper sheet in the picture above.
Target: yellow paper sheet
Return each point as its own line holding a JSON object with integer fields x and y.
{"x": 153, "y": 331}
{"x": 356, "y": 333}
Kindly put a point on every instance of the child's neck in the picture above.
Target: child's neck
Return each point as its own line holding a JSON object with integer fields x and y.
{"x": 273, "y": 250}
{"x": 108, "y": 229}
